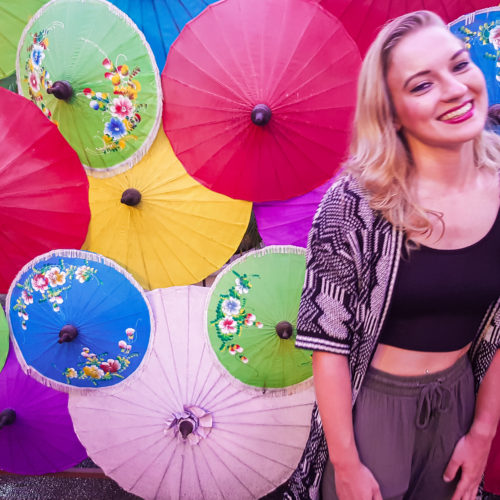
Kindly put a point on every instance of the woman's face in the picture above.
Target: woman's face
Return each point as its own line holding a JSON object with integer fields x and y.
{"x": 439, "y": 95}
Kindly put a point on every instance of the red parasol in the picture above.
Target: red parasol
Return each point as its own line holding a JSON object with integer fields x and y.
{"x": 44, "y": 202}
{"x": 259, "y": 97}
{"x": 364, "y": 18}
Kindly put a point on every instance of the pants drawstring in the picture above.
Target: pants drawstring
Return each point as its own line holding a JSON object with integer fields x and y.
{"x": 433, "y": 398}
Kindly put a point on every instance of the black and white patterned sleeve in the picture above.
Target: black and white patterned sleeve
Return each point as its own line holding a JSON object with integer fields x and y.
{"x": 329, "y": 295}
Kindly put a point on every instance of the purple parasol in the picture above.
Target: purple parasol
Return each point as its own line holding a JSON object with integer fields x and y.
{"x": 288, "y": 222}
{"x": 36, "y": 431}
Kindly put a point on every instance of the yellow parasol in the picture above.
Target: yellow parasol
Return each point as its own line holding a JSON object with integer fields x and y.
{"x": 160, "y": 224}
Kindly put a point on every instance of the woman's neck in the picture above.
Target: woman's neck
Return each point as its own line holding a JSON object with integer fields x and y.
{"x": 443, "y": 170}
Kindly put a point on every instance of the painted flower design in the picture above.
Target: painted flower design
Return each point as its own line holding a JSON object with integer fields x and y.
{"x": 110, "y": 366}
{"x": 130, "y": 333}
{"x": 40, "y": 283}
{"x": 228, "y": 325}
{"x": 231, "y": 306}
{"x": 71, "y": 373}
{"x": 494, "y": 37}
{"x": 250, "y": 319}
{"x": 55, "y": 276}
{"x": 26, "y": 297}
{"x": 240, "y": 287}
{"x": 37, "y": 55}
{"x": 115, "y": 128}
{"x": 122, "y": 107}
{"x": 93, "y": 372}
{"x": 83, "y": 274}
{"x": 34, "y": 82}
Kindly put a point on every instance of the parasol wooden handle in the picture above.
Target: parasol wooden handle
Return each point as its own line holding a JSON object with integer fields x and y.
{"x": 7, "y": 417}
{"x": 61, "y": 89}
{"x": 284, "y": 329}
{"x": 131, "y": 197}
{"x": 261, "y": 114}
{"x": 67, "y": 334}
{"x": 186, "y": 427}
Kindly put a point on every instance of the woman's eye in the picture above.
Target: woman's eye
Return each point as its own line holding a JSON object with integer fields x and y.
{"x": 420, "y": 87}
{"x": 461, "y": 65}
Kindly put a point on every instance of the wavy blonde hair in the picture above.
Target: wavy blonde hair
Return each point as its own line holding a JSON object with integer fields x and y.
{"x": 379, "y": 156}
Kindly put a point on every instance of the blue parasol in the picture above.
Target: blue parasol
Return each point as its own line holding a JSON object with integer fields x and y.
{"x": 78, "y": 320}
{"x": 480, "y": 31}
{"x": 161, "y": 20}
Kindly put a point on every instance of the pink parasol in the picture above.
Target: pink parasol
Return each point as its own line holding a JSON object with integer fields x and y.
{"x": 259, "y": 97}
{"x": 364, "y": 18}
{"x": 182, "y": 430}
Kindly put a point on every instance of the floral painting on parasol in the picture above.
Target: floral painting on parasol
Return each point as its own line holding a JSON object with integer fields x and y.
{"x": 87, "y": 66}
{"x": 480, "y": 32}
{"x": 251, "y": 318}
{"x": 78, "y": 321}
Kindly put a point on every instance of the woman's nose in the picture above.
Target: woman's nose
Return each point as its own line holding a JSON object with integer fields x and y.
{"x": 453, "y": 88}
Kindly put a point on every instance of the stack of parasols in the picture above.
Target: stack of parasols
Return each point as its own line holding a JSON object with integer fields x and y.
{"x": 122, "y": 188}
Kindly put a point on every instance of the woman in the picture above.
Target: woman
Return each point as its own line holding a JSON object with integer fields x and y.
{"x": 413, "y": 224}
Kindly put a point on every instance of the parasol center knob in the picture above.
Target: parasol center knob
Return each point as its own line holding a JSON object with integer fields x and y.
{"x": 61, "y": 89}
{"x": 284, "y": 329}
{"x": 67, "y": 334}
{"x": 186, "y": 427}
{"x": 261, "y": 114}
{"x": 131, "y": 197}
{"x": 7, "y": 417}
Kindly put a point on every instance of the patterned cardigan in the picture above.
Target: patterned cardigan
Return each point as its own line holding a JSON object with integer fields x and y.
{"x": 352, "y": 262}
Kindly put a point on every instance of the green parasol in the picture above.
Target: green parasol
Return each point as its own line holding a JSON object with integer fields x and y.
{"x": 251, "y": 319}
{"x": 9, "y": 83}
{"x": 13, "y": 18}
{"x": 86, "y": 65}
{"x": 4, "y": 338}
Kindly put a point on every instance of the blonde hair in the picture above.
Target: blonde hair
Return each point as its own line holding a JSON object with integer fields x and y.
{"x": 379, "y": 155}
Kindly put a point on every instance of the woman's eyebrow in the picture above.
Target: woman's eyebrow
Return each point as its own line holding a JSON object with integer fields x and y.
{"x": 425, "y": 72}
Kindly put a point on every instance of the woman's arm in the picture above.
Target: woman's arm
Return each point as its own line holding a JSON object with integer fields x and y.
{"x": 471, "y": 452}
{"x": 353, "y": 481}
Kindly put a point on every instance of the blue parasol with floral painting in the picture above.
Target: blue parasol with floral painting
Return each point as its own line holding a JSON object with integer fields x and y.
{"x": 251, "y": 320}
{"x": 78, "y": 321}
{"x": 480, "y": 32}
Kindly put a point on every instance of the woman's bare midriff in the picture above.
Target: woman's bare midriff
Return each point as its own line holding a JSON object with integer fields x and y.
{"x": 404, "y": 362}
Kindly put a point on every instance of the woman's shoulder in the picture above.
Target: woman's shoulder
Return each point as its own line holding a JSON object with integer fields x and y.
{"x": 346, "y": 205}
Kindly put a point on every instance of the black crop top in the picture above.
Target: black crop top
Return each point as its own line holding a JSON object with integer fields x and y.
{"x": 441, "y": 296}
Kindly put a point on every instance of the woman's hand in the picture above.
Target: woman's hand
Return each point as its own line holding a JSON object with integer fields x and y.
{"x": 470, "y": 454}
{"x": 356, "y": 482}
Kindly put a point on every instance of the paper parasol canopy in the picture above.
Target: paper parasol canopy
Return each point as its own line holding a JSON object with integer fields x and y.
{"x": 160, "y": 224}
{"x": 251, "y": 320}
{"x": 87, "y": 66}
{"x": 13, "y": 18}
{"x": 480, "y": 32}
{"x": 78, "y": 321}
{"x": 4, "y": 338}
{"x": 288, "y": 222}
{"x": 364, "y": 18}
{"x": 259, "y": 97}
{"x": 182, "y": 430}
{"x": 36, "y": 431}
{"x": 161, "y": 20}
{"x": 45, "y": 192}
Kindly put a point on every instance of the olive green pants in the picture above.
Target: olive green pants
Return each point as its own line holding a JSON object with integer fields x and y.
{"x": 406, "y": 429}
